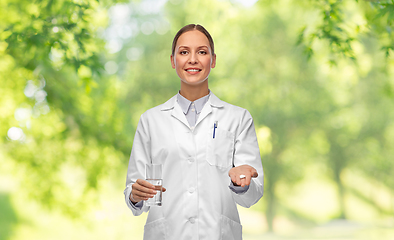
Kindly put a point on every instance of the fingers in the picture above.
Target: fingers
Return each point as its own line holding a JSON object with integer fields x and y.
{"x": 145, "y": 184}
{"x": 233, "y": 178}
{"x": 254, "y": 173}
{"x": 238, "y": 180}
{"x": 242, "y": 182}
{"x": 247, "y": 179}
{"x": 242, "y": 179}
{"x": 142, "y": 190}
{"x": 140, "y": 196}
{"x": 248, "y": 171}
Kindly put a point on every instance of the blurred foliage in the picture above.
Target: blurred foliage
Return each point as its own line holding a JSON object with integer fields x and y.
{"x": 53, "y": 33}
{"x": 8, "y": 217}
{"x": 76, "y": 76}
{"x": 50, "y": 49}
{"x": 340, "y": 26}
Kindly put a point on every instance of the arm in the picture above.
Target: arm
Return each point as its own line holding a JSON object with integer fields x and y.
{"x": 140, "y": 155}
{"x": 247, "y": 161}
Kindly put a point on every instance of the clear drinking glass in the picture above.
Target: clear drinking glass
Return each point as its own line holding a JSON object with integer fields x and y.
{"x": 153, "y": 174}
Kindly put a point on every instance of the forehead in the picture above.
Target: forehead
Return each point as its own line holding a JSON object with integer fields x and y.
{"x": 193, "y": 38}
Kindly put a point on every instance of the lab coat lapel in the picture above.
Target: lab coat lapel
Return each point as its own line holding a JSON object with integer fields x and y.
{"x": 178, "y": 114}
{"x": 206, "y": 110}
{"x": 213, "y": 102}
{"x": 176, "y": 111}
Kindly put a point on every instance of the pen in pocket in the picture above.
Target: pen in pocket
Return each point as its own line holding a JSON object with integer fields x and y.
{"x": 215, "y": 125}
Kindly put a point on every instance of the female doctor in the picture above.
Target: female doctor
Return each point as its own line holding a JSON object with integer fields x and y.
{"x": 208, "y": 149}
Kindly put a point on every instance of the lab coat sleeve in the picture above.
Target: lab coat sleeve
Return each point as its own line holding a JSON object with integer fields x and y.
{"x": 140, "y": 155}
{"x": 246, "y": 151}
{"x": 138, "y": 205}
{"x": 238, "y": 189}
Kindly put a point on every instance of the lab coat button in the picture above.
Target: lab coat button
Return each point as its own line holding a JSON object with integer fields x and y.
{"x": 191, "y": 160}
{"x": 191, "y": 190}
{"x": 192, "y": 220}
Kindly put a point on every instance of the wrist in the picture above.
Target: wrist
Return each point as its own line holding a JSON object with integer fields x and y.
{"x": 132, "y": 199}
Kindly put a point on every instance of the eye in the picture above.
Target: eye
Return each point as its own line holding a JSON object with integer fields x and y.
{"x": 183, "y": 52}
{"x": 202, "y": 52}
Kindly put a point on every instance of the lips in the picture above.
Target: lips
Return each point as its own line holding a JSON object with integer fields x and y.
{"x": 193, "y": 70}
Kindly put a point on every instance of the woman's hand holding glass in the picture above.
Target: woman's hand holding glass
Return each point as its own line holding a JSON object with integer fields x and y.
{"x": 142, "y": 191}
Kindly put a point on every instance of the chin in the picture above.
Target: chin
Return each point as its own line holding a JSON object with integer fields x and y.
{"x": 194, "y": 82}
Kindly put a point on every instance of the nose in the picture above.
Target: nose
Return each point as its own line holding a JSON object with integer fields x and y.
{"x": 193, "y": 58}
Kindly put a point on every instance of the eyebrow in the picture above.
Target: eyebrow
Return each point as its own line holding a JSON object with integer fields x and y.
{"x": 197, "y": 47}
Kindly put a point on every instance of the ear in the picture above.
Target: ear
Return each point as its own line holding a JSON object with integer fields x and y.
{"x": 213, "y": 64}
{"x": 172, "y": 61}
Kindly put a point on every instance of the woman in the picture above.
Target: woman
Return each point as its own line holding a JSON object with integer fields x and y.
{"x": 208, "y": 149}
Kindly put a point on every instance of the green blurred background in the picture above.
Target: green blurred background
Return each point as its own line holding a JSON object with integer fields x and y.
{"x": 316, "y": 75}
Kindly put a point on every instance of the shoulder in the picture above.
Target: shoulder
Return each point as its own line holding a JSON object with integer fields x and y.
{"x": 159, "y": 109}
{"x": 234, "y": 110}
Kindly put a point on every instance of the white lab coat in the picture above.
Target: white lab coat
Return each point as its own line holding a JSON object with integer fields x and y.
{"x": 198, "y": 203}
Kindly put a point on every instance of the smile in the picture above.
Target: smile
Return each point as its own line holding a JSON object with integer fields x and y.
{"x": 193, "y": 70}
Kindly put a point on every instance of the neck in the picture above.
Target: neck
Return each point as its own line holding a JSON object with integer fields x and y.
{"x": 192, "y": 93}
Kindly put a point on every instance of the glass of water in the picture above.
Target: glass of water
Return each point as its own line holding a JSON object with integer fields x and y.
{"x": 153, "y": 175}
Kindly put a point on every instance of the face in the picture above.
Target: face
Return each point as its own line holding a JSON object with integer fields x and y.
{"x": 192, "y": 58}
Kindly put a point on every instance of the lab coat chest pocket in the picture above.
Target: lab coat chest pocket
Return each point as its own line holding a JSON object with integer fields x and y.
{"x": 220, "y": 148}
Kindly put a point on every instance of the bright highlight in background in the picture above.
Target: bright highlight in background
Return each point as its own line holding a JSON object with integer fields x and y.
{"x": 111, "y": 67}
{"x": 246, "y": 3}
{"x": 15, "y": 133}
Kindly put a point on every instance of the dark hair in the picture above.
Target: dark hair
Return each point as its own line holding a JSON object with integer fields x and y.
{"x": 192, "y": 27}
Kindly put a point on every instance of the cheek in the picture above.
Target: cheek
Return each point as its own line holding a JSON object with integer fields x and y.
{"x": 207, "y": 62}
{"x": 178, "y": 62}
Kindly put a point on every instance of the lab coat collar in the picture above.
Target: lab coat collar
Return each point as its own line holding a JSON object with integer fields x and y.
{"x": 213, "y": 101}
{"x": 171, "y": 104}
{"x": 176, "y": 110}
{"x": 198, "y": 104}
